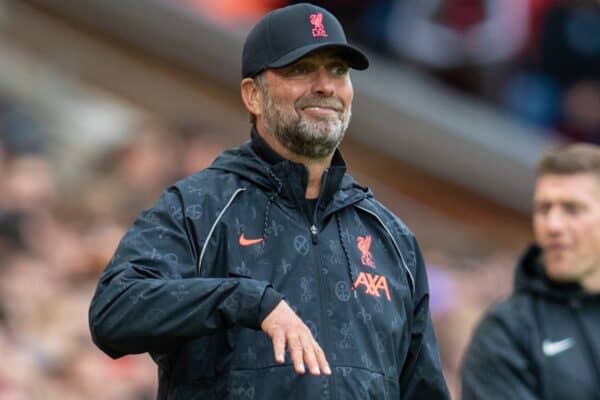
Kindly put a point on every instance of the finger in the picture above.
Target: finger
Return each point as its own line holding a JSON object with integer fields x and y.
{"x": 279, "y": 346}
{"x": 321, "y": 359}
{"x": 296, "y": 353}
{"x": 310, "y": 359}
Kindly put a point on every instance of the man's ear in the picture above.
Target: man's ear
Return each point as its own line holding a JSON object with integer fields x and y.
{"x": 251, "y": 96}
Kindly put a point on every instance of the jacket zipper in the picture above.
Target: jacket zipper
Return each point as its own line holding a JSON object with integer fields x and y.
{"x": 212, "y": 228}
{"x": 314, "y": 232}
{"x": 410, "y": 275}
{"x": 324, "y": 318}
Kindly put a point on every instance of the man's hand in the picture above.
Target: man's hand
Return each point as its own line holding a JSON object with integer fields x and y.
{"x": 286, "y": 329}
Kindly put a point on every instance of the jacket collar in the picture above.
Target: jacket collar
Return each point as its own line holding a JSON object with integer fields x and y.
{"x": 294, "y": 177}
{"x": 531, "y": 276}
{"x": 262, "y": 148}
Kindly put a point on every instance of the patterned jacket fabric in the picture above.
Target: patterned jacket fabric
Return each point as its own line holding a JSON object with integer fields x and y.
{"x": 541, "y": 343}
{"x": 197, "y": 273}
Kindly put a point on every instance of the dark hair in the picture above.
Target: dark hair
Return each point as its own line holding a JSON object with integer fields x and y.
{"x": 572, "y": 159}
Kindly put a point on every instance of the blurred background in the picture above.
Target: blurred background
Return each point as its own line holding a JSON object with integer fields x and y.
{"x": 103, "y": 103}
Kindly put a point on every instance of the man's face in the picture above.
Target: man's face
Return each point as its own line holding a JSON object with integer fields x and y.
{"x": 307, "y": 105}
{"x": 566, "y": 223}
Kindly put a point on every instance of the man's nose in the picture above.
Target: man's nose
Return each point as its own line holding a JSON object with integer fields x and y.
{"x": 323, "y": 82}
{"x": 555, "y": 220}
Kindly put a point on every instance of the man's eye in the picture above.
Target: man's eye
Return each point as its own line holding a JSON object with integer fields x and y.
{"x": 572, "y": 208}
{"x": 339, "y": 69}
{"x": 299, "y": 69}
{"x": 542, "y": 209}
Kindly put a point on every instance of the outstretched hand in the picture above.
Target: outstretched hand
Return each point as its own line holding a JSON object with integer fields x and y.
{"x": 287, "y": 330}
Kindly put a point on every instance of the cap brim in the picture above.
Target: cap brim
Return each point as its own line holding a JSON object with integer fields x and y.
{"x": 354, "y": 57}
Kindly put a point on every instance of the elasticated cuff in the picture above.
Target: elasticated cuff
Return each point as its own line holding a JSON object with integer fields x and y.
{"x": 269, "y": 301}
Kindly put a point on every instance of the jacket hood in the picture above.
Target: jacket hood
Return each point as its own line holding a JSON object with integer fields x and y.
{"x": 288, "y": 180}
{"x": 530, "y": 276}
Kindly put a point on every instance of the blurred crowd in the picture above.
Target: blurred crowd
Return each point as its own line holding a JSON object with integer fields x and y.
{"x": 56, "y": 235}
{"x": 55, "y": 238}
{"x": 538, "y": 60}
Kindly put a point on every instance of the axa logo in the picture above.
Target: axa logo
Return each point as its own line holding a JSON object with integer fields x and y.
{"x": 364, "y": 246}
{"x": 374, "y": 284}
{"x": 318, "y": 29}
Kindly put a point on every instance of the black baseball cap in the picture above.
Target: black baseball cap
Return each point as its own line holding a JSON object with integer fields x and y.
{"x": 287, "y": 34}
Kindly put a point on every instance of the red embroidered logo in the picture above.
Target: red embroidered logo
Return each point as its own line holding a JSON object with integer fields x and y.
{"x": 364, "y": 245}
{"x": 318, "y": 28}
{"x": 373, "y": 284}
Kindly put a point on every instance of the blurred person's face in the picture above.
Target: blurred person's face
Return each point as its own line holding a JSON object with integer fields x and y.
{"x": 307, "y": 105}
{"x": 566, "y": 223}
{"x": 29, "y": 184}
{"x": 198, "y": 154}
{"x": 150, "y": 161}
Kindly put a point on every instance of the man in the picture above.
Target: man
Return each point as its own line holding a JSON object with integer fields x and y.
{"x": 543, "y": 342}
{"x": 273, "y": 250}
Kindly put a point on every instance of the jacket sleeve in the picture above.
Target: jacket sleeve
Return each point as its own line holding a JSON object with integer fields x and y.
{"x": 421, "y": 376}
{"x": 497, "y": 364}
{"x": 149, "y": 299}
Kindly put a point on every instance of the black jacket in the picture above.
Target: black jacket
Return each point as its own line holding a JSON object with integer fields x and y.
{"x": 541, "y": 343}
{"x": 193, "y": 278}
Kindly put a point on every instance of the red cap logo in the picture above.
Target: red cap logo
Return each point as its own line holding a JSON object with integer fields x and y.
{"x": 318, "y": 29}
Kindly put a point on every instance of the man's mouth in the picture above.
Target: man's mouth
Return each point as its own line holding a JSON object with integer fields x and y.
{"x": 320, "y": 105}
{"x": 556, "y": 247}
{"x": 320, "y": 110}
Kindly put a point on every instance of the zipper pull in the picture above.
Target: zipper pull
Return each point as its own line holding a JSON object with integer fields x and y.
{"x": 313, "y": 233}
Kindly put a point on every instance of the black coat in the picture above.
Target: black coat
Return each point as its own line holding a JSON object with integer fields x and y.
{"x": 541, "y": 343}
{"x": 193, "y": 278}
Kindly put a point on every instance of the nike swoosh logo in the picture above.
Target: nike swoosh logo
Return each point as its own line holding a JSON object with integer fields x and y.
{"x": 553, "y": 348}
{"x": 249, "y": 242}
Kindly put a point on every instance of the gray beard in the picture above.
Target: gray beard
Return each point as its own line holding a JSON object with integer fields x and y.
{"x": 312, "y": 139}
